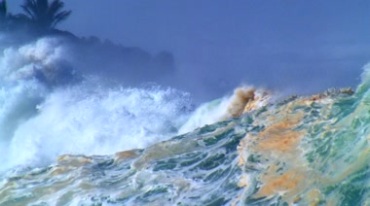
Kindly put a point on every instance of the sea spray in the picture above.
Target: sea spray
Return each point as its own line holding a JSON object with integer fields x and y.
{"x": 144, "y": 146}
{"x": 79, "y": 121}
{"x": 244, "y": 99}
{"x": 48, "y": 108}
{"x": 45, "y": 60}
{"x": 303, "y": 150}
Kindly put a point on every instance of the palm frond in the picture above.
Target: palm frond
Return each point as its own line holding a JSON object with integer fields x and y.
{"x": 3, "y": 9}
{"x": 61, "y": 16}
{"x": 43, "y": 14}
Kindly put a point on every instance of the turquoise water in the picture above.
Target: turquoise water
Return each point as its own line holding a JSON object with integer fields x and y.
{"x": 83, "y": 144}
{"x": 305, "y": 150}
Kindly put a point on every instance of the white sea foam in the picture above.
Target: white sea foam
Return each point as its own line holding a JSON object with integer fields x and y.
{"x": 39, "y": 119}
{"x": 47, "y": 108}
{"x": 79, "y": 120}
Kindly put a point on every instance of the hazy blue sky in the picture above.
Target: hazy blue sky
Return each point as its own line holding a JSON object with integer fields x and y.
{"x": 299, "y": 45}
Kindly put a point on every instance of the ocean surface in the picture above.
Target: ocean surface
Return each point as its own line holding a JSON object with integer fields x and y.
{"x": 72, "y": 139}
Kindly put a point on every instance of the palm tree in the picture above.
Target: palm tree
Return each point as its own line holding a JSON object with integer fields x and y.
{"x": 8, "y": 21}
{"x": 44, "y": 15}
{"x": 4, "y": 16}
{"x": 3, "y": 10}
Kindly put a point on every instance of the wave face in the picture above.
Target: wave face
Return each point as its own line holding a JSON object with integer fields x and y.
{"x": 70, "y": 140}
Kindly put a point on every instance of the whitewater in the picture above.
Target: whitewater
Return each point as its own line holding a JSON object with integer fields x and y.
{"x": 49, "y": 109}
{"x": 69, "y": 138}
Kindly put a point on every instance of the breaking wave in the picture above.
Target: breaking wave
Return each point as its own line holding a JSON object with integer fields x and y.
{"x": 72, "y": 139}
{"x": 48, "y": 108}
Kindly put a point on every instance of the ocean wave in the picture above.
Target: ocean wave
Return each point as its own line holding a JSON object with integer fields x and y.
{"x": 82, "y": 142}
{"x": 48, "y": 109}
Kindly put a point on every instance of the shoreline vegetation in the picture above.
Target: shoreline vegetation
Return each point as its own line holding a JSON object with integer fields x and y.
{"x": 40, "y": 19}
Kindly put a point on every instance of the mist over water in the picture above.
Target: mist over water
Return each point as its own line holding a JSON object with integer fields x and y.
{"x": 297, "y": 47}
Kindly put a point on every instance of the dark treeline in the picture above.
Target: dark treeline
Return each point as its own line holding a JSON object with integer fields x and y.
{"x": 40, "y": 18}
